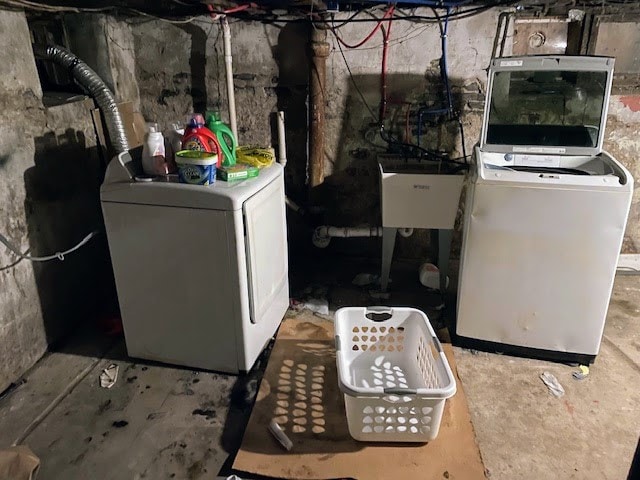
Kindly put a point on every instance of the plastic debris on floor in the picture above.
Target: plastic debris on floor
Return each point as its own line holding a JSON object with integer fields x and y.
{"x": 581, "y": 373}
{"x": 109, "y": 376}
{"x": 314, "y": 298}
{"x": 279, "y": 434}
{"x": 552, "y": 384}
{"x": 316, "y": 305}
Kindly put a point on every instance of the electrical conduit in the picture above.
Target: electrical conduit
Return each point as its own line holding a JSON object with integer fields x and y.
{"x": 282, "y": 142}
{"x": 228, "y": 59}
{"x": 228, "y": 64}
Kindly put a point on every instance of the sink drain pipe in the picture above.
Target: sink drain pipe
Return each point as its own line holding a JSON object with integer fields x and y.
{"x": 322, "y": 235}
{"x": 93, "y": 84}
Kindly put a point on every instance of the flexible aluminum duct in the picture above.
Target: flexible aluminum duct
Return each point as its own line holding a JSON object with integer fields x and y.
{"x": 87, "y": 78}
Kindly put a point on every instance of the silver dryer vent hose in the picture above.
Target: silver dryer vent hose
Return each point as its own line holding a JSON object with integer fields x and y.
{"x": 87, "y": 78}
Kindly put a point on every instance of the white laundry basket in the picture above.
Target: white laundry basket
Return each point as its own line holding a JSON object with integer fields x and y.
{"x": 393, "y": 373}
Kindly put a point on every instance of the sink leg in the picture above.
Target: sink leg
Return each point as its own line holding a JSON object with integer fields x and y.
{"x": 388, "y": 244}
{"x": 444, "y": 251}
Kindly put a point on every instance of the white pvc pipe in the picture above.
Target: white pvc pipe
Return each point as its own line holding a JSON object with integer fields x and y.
{"x": 323, "y": 235}
{"x": 294, "y": 206}
{"x": 348, "y": 232}
{"x": 228, "y": 63}
{"x": 282, "y": 143}
{"x": 282, "y": 158}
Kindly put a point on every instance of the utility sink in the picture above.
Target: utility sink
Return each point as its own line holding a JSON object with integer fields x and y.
{"x": 417, "y": 193}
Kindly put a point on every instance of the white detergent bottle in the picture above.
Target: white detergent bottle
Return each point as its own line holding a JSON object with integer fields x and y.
{"x": 430, "y": 276}
{"x": 153, "y": 152}
{"x": 173, "y": 143}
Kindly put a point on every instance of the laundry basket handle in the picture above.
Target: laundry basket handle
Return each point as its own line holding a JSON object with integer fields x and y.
{"x": 379, "y": 313}
{"x": 400, "y": 391}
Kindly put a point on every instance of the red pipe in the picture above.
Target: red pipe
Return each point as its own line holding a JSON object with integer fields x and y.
{"x": 239, "y": 8}
{"x": 386, "y": 15}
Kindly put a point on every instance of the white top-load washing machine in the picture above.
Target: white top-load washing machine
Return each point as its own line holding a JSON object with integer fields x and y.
{"x": 201, "y": 271}
{"x": 545, "y": 213}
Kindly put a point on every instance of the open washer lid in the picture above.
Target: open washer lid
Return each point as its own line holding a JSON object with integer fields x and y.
{"x": 547, "y": 105}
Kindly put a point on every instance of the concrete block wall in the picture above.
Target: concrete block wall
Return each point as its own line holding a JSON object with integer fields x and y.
{"x": 50, "y": 173}
{"x": 105, "y": 43}
{"x": 180, "y": 70}
{"x": 22, "y": 335}
{"x": 623, "y": 141}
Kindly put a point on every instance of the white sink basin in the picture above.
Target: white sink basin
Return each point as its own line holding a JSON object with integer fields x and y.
{"x": 415, "y": 195}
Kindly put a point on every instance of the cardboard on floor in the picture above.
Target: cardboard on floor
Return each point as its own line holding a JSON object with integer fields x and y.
{"x": 322, "y": 447}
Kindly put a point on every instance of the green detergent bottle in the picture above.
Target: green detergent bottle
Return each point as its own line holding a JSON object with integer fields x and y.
{"x": 225, "y": 138}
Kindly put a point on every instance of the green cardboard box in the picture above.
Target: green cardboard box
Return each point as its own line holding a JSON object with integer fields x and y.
{"x": 239, "y": 171}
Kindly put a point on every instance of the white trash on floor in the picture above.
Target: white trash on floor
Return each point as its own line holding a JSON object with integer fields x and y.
{"x": 109, "y": 376}
{"x": 552, "y": 384}
{"x": 393, "y": 373}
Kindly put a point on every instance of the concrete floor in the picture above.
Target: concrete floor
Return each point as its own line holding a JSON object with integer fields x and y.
{"x": 164, "y": 422}
{"x": 590, "y": 433}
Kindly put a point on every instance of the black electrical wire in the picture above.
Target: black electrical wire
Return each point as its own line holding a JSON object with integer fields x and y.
{"x": 444, "y": 75}
{"x": 345, "y": 22}
{"x": 353, "y": 81}
{"x": 388, "y": 138}
{"x": 445, "y": 80}
{"x": 186, "y": 11}
{"x": 456, "y": 15}
{"x": 422, "y": 153}
{"x": 462, "y": 142}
